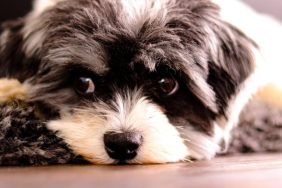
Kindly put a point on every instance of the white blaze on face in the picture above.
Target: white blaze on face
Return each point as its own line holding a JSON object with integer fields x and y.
{"x": 136, "y": 12}
{"x": 84, "y": 130}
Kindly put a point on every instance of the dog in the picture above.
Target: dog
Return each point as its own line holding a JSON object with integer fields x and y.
{"x": 142, "y": 81}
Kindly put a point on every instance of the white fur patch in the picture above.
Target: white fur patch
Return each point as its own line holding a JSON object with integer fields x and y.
{"x": 40, "y": 6}
{"x": 201, "y": 146}
{"x": 84, "y": 130}
{"x": 137, "y": 12}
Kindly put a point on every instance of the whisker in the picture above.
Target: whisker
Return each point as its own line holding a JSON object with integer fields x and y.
{"x": 188, "y": 160}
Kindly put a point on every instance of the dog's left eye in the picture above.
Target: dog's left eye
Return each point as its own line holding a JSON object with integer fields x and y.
{"x": 84, "y": 86}
{"x": 168, "y": 86}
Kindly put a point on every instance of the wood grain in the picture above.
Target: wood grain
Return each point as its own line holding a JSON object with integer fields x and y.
{"x": 236, "y": 171}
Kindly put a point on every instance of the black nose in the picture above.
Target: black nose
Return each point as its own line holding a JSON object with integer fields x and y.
{"x": 122, "y": 146}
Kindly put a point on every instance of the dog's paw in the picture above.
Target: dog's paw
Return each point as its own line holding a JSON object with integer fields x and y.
{"x": 11, "y": 89}
{"x": 25, "y": 139}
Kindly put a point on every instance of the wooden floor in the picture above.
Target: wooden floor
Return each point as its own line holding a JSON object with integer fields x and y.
{"x": 240, "y": 172}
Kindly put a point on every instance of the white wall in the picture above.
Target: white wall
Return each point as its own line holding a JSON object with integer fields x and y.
{"x": 273, "y": 7}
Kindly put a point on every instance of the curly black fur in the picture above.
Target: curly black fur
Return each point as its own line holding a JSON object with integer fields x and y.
{"x": 24, "y": 139}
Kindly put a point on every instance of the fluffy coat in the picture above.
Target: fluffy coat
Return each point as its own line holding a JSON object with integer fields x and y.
{"x": 174, "y": 73}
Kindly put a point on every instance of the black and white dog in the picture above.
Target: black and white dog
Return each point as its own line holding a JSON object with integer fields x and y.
{"x": 142, "y": 81}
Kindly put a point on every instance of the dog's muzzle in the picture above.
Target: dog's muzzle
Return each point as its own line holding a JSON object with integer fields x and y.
{"x": 122, "y": 146}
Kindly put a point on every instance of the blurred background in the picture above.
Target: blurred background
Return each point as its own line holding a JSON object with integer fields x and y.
{"x": 10, "y": 9}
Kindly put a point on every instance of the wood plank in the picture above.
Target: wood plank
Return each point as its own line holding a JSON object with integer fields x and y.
{"x": 235, "y": 171}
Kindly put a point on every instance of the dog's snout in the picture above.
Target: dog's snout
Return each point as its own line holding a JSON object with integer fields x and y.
{"x": 122, "y": 146}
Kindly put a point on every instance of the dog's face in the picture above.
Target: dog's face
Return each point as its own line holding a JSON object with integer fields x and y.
{"x": 133, "y": 81}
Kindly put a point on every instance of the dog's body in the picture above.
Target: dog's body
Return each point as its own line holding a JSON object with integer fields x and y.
{"x": 142, "y": 81}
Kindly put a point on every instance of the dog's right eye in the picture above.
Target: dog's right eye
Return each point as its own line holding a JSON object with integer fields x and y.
{"x": 168, "y": 86}
{"x": 84, "y": 86}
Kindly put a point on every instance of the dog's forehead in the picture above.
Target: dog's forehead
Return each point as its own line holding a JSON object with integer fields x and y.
{"x": 100, "y": 32}
{"x": 118, "y": 35}
{"x": 106, "y": 34}
{"x": 101, "y": 57}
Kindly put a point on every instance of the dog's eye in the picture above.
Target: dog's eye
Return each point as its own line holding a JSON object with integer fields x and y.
{"x": 84, "y": 86}
{"x": 168, "y": 86}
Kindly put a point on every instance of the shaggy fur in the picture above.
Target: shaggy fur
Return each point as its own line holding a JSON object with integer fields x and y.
{"x": 25, "y": 140}
{"x": 174, "y": 73}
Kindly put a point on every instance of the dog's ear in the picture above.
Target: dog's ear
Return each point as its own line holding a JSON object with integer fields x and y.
{"x": 218, "y": 62}
{"x": 230, "y": 64}
{"x": 14, "y": 63}
{"x": 11, "y": 54}
{"x": 217, "y": 57}
{"x": 20, "y": 41}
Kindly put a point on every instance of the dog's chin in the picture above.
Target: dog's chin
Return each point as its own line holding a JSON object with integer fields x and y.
{"x": 83, "y": 130}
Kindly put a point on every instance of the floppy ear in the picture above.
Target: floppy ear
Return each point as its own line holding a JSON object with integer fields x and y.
{"x": 19, "y": 42}
{"x": 11, "y": 55}
{"x": 14, "y": 62}
{"x": 231, "y": 64}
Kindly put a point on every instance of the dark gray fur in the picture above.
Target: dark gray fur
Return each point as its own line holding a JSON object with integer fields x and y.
{"x": 25, "y": 140}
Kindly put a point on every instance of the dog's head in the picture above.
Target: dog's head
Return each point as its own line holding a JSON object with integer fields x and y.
{"x": 147, "y": 81}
